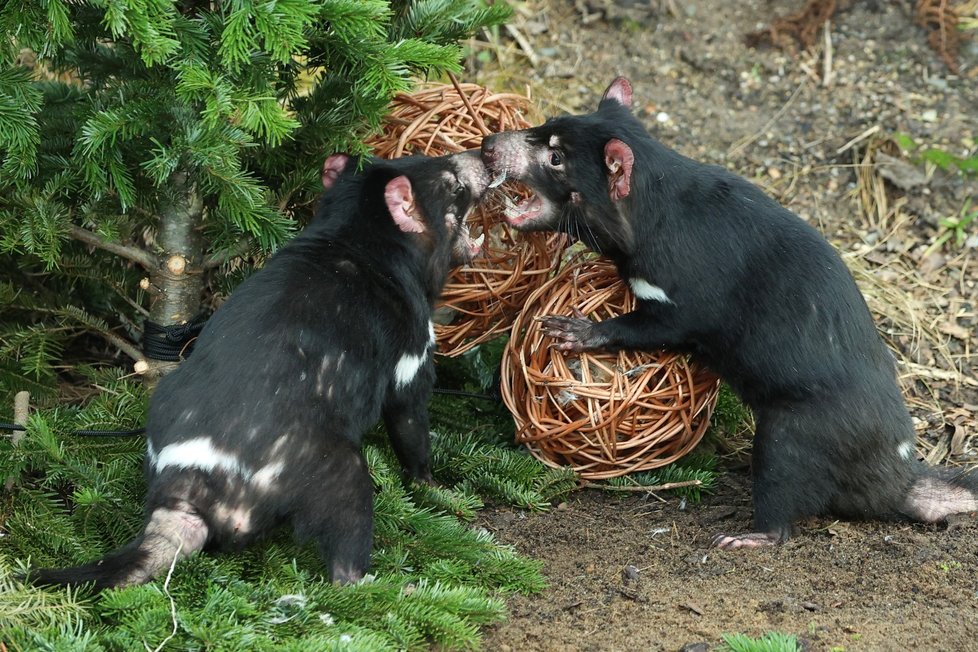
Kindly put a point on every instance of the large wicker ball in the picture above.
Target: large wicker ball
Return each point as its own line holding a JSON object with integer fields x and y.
{"x": 482, "y": 298}
{"x": 602, "y": 414}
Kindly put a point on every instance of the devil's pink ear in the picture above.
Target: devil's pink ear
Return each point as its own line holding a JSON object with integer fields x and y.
{"x": 620, "y": 90}
{"x": 400, "y": 202}
{"x": 618, "y": 158}
{"x": 332, "y": 169}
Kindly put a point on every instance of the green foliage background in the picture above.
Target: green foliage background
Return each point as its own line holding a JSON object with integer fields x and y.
{"x": 437, "y": 577}
{"x": 112, "y": 111}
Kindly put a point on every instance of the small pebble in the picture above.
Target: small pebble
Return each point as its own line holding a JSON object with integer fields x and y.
{"x": 630, "y": 573}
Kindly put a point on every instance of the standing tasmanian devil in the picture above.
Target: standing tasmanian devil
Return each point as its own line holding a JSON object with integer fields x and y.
{"x": 263, "y": 424}
{"x": 725, "y": 273}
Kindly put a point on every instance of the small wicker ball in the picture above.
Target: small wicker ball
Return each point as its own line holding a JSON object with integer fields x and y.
{"x": 602, "y": 414}
{"x": 481, "y": 299}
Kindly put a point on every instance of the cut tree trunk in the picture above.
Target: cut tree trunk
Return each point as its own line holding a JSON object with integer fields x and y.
{"x": 177, "y": 279}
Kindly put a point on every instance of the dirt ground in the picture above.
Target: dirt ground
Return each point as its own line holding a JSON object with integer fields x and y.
{"x": 636, "y": 572}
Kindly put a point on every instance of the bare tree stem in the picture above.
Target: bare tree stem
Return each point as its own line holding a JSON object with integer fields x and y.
{"x": 123, "y": 345}
{"x": 178, "y": 277}
{"x": 142, "y": 258}
{"x": 218, "y": 259}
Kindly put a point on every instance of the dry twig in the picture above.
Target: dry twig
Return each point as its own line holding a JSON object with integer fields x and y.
{"x": 940, "y": 19}
{"x": 643, "y": 488}
{"x": 801, "y": 26}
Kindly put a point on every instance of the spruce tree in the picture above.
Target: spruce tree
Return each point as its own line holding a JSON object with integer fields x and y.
{"x": 147, "y": 143}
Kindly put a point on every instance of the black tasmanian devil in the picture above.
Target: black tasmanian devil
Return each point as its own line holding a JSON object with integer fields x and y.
{"x": 263, "y": 424}
{"x": 725, "y": 273}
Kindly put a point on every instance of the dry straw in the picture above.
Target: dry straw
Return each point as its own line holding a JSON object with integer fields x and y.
{"x": 481, "y": 299}
{"x": 602, "y": 414}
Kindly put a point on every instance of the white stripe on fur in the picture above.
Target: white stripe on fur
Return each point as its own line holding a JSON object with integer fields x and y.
{"x": 648, "y": 292}
{"x": 407, "y": 368}
{"x": 199, "y": 453}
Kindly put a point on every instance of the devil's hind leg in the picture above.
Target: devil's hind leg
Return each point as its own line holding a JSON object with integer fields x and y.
{"x": 335, "y": 509}
{"x": 791, "y": 478}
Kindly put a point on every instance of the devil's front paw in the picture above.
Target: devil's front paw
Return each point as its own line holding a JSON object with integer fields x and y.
{"x": 419, "y": 477}
{"x": 572, "y": 333}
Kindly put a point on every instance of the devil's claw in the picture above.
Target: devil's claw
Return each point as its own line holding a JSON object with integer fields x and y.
{"x": 571, "y": 333}
{"x": 748, "y": 540}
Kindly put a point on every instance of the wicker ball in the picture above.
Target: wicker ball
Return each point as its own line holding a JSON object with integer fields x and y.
{"x": 602, "y": 414}
{"x": 482, "y": 298}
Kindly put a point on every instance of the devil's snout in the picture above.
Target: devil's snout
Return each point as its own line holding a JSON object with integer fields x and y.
{"x": 506, "y": 156}
{"x": 489, "y": 151}
{"x": 473, "y": 172}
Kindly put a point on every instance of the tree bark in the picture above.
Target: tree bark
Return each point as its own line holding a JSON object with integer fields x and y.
{"x": 22, "y": 407}
{"x": 177, "y": 278}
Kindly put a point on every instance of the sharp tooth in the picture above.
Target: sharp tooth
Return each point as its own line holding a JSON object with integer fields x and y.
{"x": 498, "y": 181}
{"x": 478, "y": 241}
{"x": 511, "y": 211}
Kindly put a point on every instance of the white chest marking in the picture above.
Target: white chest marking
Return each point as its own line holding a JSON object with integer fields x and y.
{"x": 648, "y": 292}
{"x": 409, "y": 364}
{"x": 906, "y": 450}
{"x": 407, "y": 368}
{"x": 200, "y": 454}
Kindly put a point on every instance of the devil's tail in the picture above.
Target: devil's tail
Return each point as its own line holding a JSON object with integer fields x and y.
{"x": 170, "y": 534}
{"x": 939, "y": 492}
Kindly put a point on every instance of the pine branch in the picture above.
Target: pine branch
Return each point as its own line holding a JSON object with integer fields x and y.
{"x": 22, "y": 606}
{"x": 219, "y": 258}
{"x": 123, "y": 345}
{"x": 142, "y": 258}
{"x": 19, "y": 131}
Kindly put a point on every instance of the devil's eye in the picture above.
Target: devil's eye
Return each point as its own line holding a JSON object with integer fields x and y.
{"x": 457, "y": 186}
{"x": 555, "y": 158}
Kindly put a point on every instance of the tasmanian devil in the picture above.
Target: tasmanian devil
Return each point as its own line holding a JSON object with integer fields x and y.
{"x": 263, "y": 424}
{"x": 725, "y": 273}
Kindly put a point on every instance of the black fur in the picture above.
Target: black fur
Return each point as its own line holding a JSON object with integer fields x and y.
{"x": 263, "y": 424}
{"x": 751, "y": 291}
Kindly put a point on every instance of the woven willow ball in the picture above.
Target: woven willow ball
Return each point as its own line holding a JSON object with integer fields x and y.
{"x": 482, "y": 298}
{"x": 602, "y": 414}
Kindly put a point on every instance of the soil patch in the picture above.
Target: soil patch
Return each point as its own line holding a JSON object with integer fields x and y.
{"x": 638, "y": 574}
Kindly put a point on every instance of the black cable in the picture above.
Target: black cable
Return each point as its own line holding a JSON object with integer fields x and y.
{"x": 109, "y": 433}
{"x": 171, "y": 343}
{"x": 459, "y": 392}
{"x": 85, "y": 433}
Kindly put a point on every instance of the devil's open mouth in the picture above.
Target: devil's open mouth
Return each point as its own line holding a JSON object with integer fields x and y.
{"x": 517, "y": 202}
{"x": 472, "y": 245}
{"x": 467, "y": 246}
